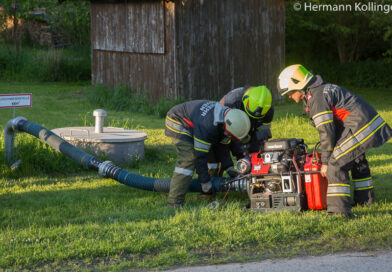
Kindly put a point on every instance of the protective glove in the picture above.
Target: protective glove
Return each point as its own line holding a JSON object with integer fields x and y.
{"x": 232, "y": 172}
{"x": 207, "y": 190}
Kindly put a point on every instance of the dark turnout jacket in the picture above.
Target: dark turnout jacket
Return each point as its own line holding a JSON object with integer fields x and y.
{"x": 348, "y": 126}
{"x": 200, "y": 122}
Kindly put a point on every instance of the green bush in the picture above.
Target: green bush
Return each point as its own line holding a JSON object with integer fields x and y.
{"x": 10, "y": 62}
{"x": 50, "y": 61}
{"x": 346, "y": 48}
{"x": 43, "y": 64}
{"x": 367, "y": 73}
{"x": 124, "y": 98}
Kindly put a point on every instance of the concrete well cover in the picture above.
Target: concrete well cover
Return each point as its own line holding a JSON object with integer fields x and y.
{"x": 119, "y": 144}
{"x": 109, "y": 134}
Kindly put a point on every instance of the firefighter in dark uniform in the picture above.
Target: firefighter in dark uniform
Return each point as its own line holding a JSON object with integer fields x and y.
{"x": 256, "y": 102}
{"x": 198, "y": 128}
{"x": 347, "y": 125}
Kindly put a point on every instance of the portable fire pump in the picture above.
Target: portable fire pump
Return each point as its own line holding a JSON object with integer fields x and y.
{"x": 282, "y": 176}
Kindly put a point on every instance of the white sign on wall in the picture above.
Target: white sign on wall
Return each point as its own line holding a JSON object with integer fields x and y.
{"x": 15, "y": 100}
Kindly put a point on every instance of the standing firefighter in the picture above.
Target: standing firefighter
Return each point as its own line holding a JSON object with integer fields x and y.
{"x": 348, "y": 126}
{"x": 198, "y": 128}
{"x": 256, "y": 102}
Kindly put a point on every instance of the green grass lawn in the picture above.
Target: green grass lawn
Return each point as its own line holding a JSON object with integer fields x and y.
{"x": 56, "y": 216}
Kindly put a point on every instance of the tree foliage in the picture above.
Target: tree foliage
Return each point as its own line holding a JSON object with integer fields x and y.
{"x": 70, "y": 18}
{"x": 344, "y": 36}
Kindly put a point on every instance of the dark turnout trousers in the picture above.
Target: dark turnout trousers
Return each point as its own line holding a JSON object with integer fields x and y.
{"x": 363, "y": 183}
{"x": 183, "y": 171}
{"x": 338, "y": 194}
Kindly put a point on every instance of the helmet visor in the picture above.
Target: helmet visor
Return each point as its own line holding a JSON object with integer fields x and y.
{"x": 282, "y": 87}
{"x": 257, "y": 113}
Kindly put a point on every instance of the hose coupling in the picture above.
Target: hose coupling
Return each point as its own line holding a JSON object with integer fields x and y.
{"x": 17, "y": 123}
{"x": 236, "y": 185}
{"x": 108, "y": 170}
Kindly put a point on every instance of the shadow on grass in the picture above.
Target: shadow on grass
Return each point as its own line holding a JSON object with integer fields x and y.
{"x": 107, "y": 204}
{"x": 381, "y": 162}
{"x": 383, "y": 188}
{"x": 102, "y": 205}
{"x": 386, "y": 150}
{"x": 363, "y": 212}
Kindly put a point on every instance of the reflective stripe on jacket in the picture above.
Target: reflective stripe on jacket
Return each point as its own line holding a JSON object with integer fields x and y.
{"x": 348, "y": 126}
{"x": 201, "y": 123}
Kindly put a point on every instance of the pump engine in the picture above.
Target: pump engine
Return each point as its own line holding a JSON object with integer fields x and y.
{"x": 283, "y": 176}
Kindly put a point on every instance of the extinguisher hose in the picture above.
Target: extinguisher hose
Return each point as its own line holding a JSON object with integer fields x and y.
{"x": 315, "y": 154}
{"x": 298, "y": 170}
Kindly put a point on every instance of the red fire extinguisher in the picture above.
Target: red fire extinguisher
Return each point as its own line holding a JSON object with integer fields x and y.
{"x": 315, "y": 185}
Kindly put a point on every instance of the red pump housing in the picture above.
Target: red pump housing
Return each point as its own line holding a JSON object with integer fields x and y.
{"x": 258, "y": 166}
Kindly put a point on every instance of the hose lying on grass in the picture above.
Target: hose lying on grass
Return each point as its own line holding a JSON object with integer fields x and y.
{"x": 88, "y": 161}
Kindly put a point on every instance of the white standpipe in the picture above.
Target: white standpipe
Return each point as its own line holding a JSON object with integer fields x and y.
{"x": 99, "y": 117}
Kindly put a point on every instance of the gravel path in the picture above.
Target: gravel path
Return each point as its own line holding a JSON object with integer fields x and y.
{"x": 357, "y": 262}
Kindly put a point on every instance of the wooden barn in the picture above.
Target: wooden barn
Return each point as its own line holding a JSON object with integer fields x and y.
{"x": 191, "y": 49}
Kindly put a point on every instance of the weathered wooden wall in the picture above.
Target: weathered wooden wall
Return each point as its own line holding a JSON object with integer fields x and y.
{"x": 227, "y": 44}
{"x": 201, "y": 49}
{"x": 137, "y": 27}
{"x": 134, "y": 43}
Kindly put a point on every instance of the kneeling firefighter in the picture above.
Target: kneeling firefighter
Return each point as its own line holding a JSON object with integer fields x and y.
{"x": 256, "y": 102}
{"x": 198, "y": 128}
{"x": 348, "y": 126}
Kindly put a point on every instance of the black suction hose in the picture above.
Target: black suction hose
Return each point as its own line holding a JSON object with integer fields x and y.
{"x": 88, "y": 161}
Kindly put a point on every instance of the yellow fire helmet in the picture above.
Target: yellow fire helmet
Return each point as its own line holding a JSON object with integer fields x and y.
{"x": 257, "y": 101}
{"x": 293, "y": 78}
{"x": 237, "y": 123}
